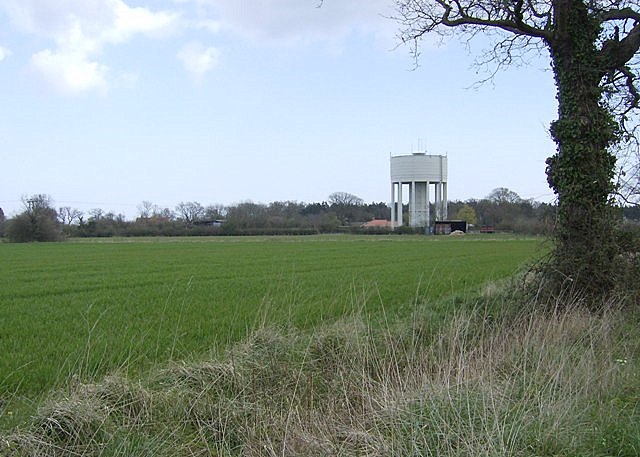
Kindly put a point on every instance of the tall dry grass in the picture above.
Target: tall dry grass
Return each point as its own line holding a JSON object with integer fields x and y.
{"x": 491, "y": 381}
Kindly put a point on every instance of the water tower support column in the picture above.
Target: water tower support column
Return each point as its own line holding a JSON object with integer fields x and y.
{"x": 438, "y": 204}
{"x": 412, "y": 203}
{"x": 400, "y": 223}
{"x": 428, "y": 205}
{"x": 393, "y": 204}
{"x": 445, "y": 203}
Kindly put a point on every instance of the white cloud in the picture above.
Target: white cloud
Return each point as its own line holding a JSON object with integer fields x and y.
{"x": 4, "y": 53}
{"x": 69, "y": 72}
{"x": 198, "y": 60}
{"x": 304, "y": 20}
{"x": 105, "y": 21}
{"x": 130, "y": 21}
{"x": 81, "y": 29}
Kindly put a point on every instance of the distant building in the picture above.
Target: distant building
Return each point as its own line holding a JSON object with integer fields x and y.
{"x": 447, "y": 227}
{"x": 378, "y": 223}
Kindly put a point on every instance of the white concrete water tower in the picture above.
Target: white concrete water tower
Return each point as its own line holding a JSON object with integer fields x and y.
{"x": 419, "y": 171}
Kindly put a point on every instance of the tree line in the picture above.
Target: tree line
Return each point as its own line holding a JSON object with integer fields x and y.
{"x": 40, "y": 220}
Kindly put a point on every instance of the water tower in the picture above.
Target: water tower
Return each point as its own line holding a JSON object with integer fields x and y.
{"x": 418, "y": 171}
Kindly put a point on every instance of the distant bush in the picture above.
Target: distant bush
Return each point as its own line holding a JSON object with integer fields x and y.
{"x": 406, "y": 230}
{"x": 267, "y": 231}
{"x": 39, "y": 222}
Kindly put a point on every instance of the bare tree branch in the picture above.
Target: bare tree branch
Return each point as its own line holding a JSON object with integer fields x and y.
{"x": 615, "y": 53}
{"x": 620, "y": 14}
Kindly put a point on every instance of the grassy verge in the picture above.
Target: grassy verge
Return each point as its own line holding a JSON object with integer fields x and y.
{"x": 492, "y": 380}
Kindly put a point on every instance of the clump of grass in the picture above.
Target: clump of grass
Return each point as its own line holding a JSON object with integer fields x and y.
{"x": 124, "y": 402}
{"x": 83, "y": 419}
{"x": 491, "y": 380}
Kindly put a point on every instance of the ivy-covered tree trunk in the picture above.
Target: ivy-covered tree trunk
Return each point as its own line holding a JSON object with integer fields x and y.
{"x": 581, "y": 172}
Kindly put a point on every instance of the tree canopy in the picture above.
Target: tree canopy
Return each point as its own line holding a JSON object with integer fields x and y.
{"x": 38, "y": 221}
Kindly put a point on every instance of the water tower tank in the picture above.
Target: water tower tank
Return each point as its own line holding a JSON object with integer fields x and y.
{"x": 418, "y": 171}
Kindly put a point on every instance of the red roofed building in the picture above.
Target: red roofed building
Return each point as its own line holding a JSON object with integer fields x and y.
{"x": 378, "y": 223}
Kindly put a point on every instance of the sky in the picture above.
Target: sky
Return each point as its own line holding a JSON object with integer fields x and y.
{"x": 108, "y": 103}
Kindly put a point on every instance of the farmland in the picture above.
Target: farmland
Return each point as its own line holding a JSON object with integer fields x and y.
{"x": 87, "y": 308}
{"x": 319, "y": 345}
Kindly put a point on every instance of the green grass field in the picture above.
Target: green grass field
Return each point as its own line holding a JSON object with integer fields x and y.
{"x": 306, "y": 346}
{"x": 87, "y": 308}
